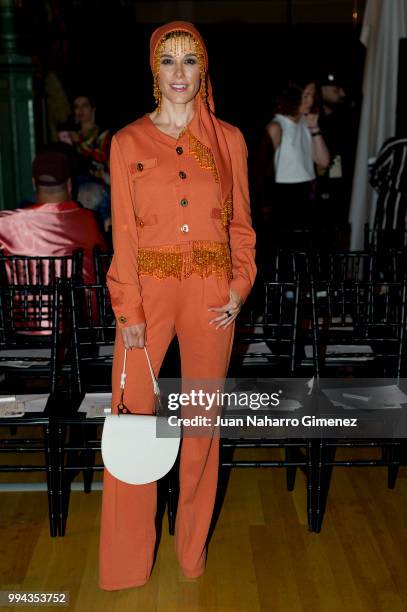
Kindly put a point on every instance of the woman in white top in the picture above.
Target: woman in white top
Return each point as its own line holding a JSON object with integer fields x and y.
{"x": 298, "y": 147}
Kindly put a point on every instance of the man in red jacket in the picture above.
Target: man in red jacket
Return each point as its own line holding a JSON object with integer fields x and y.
{"x": 55, "y": 225}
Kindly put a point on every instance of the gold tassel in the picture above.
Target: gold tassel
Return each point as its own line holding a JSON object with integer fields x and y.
{"x": 203, "y": 155}
{"x": 202, "y": 90}
{"x": 226, "y": 212}
{"x": 157, "y": 94}
{"x": 205, "y": 258}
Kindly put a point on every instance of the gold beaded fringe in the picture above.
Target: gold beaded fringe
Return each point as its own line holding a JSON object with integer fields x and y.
{"x": 205, "y": 258}
{"x": 226, "y": 211}
{"x": 203, "y": 155}
{"x": 205, "y": 159}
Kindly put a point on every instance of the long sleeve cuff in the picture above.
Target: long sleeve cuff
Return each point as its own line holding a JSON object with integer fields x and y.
{"x": 133, "y": 317}
{"x": 126, "y": 304}
{"x": 241, "y": 286}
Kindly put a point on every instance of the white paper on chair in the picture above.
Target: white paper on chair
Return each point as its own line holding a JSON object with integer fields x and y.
{"x": 258, "y": 347}
{"x": 288, "y": 404}
{"x": 34, "y": 352}
{"x": 96, "y": 404}
{"x": 348, "y": 352}
{"x": 21, "y": 404}
{"x": 15, "y": 363}
{"x": 106, "y": 351}
{"x": 386, "y": 397}
{"x": 338, "y": 324}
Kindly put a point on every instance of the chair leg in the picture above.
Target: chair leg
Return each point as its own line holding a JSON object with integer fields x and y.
{"x": 312, "y": 447}
{"x": 63, "y": 485}
{"x": 394, "y": 464}
{"x": 322, "y": 482}
{"x": 291, "y": 471}
{"x": 50, "y": 461}
{"x": 89, "y": 457}
{"x": 172, "y": 499}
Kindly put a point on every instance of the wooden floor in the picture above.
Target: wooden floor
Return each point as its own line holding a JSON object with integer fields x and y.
{"x": 261, "y": 558}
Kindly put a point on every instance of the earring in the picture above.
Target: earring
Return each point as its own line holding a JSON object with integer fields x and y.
{"x": 157, "y": 94}
{"x": 202, "y": 91}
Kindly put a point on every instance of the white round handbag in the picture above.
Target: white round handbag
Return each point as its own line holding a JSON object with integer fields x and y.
{"x": 139, "y": 448}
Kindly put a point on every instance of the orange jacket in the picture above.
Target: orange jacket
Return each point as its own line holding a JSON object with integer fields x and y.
{"x": 168, "y": 218}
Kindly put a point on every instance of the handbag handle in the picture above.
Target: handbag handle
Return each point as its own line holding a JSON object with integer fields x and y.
{"x": 122, "y": 409}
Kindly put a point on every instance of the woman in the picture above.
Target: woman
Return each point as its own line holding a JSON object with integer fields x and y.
{"x": 298, "y": 146}
{"x": 93, "y": 146}
{"x": 183, "y": 264}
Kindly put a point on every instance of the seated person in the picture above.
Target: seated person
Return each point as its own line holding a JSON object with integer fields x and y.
{"x": 55, "y": 225}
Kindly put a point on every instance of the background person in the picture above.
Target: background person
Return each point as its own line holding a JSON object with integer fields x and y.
{"x": 298, "y": 146}
{"x": 334, "y": 186}
{"x": 55, "y": 225}
{"x": 92, "y": 144}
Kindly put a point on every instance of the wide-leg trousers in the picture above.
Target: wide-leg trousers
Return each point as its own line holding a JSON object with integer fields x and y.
{"x": 128, "y": 534}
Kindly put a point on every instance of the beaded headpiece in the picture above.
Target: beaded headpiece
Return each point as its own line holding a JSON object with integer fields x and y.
{"x": 178, "y": 40}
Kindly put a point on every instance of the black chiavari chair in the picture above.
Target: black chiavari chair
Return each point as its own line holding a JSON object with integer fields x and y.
{"x": 266, "y": 346}
{"x": 101, "y": 261}
{"x": 24, "y": 311}
{"x": 364, "y": 323}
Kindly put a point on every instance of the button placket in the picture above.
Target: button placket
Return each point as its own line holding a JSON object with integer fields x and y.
{"x": 182, "y": 192}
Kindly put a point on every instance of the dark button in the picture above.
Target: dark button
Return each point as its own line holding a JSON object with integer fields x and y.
{"x": 184, "y": 202}
{"x": 179, "y": 150}
{"x": 122, "y": 319}
{"x": 140, "y": 166}
{"x": 141, "y": 223}
{"x": 182, "y": 175}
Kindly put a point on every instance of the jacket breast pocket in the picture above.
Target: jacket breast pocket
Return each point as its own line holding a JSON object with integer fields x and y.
{"x": 140, "y": 168}
{"x": 146, "y": 221}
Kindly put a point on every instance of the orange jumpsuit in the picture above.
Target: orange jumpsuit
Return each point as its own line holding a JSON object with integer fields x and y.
{"x": 177, "y": 253}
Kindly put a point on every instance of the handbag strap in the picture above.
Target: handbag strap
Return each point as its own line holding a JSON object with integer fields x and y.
{"x": 121, "y": 407}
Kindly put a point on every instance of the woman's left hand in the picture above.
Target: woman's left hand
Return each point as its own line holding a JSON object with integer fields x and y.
{"x": 312, "y": 120}
{"x": 229, "y": 311}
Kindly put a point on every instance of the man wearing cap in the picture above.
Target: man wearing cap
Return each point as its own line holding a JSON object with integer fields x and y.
{"x": 55, "y": 225}
{"x": 337, "y": 124}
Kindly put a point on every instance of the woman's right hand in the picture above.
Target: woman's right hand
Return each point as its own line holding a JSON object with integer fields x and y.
{"x": 134, "y": 336}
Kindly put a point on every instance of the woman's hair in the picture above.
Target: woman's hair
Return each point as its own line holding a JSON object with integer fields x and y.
{"x": 85, "y": 94}
{"x": 288, "y": 99}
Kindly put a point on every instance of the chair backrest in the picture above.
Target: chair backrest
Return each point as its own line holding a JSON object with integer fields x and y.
{"x": 389, "y": 265}
{"x": 30, "y": 271}
{"x": 33, "y": 310}
{"x": 93, "y": 325}
{"x": 101, "y": 261}
{"x": 356, "y": 314}
{"x": 266, "y": 329}
{"x": 40, "y": 270}
{"x": 287, "y": 266}
{"x": 343, "y": 266}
